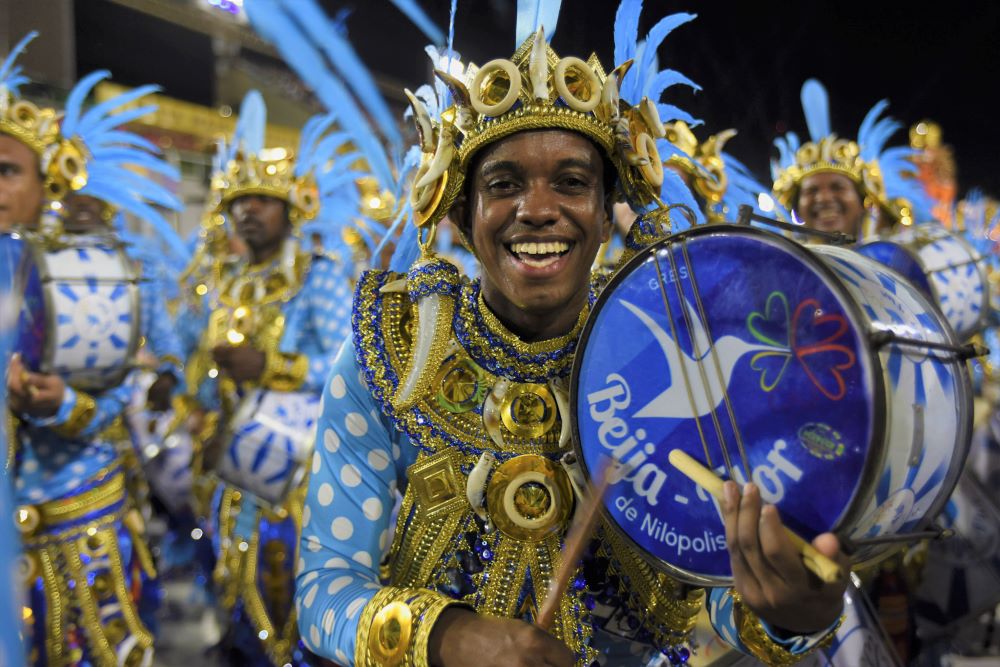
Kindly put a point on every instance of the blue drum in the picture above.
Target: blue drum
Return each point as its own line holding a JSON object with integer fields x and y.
{"x": 80, "y": 313}
{"x": 945, "y": 266}
{"x": 804, "y": 371}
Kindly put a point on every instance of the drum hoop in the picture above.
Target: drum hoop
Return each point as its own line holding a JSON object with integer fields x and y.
{"x": 880, "y": 433}
{"x": 39, "y": 256}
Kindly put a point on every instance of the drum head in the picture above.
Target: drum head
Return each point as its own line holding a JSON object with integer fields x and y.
{"x": 742, "y": 349}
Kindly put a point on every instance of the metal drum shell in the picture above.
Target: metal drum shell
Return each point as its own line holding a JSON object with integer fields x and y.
{"x": 879, "y": 441}
{"x": 42, "y": 260}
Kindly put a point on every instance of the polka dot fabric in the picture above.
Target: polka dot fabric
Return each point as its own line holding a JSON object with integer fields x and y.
{"x": 326, "y": 300}
{"x": 358, "y": 466}
{"x": 52, "y": 466}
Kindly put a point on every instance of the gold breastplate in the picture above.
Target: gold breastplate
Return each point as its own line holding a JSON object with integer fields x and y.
{"x": 487, "y": 502}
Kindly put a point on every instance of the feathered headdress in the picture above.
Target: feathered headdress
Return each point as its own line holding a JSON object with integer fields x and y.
{"x": 85, "y": 151}
{"x": 883, "y": 176}
{"x": 121, "y": 168}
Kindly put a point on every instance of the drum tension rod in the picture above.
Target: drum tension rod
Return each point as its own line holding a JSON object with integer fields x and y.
{"x": 834, "y": 238}
{"x": 962, "y": 352}
{"x": 935, "y": 533}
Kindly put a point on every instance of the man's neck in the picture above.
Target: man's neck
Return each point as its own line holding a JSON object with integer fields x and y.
{"x": 265, "y": 254}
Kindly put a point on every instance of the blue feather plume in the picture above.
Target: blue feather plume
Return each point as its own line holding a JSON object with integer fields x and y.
{"x": 251, "y": 126}
{"x": 10, "y": 76}
{"x": 535, "y": 14}
{"x": 816, "y": 106}
{"x": 420, "y": 19}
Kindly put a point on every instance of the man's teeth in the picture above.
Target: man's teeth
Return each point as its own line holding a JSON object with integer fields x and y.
{"x": 550, "y": 248}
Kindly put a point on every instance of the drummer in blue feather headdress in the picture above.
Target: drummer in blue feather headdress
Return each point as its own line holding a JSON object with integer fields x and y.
{"x": 454, "y": 394}
{"x": 85, "y": 559}
{"x": 858, "y": 187}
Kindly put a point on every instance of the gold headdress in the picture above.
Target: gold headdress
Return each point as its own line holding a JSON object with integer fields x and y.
{"x": 701, "y": 162}
{"x": 884, "y": 176}
{"x": 534, "y": 89}
{"x": 246, "y": 167}
{"x": 829, "y": 154}
{"x": 270, "y": 172}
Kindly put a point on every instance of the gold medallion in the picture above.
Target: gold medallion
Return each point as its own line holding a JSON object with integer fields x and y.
{"x": 389, "y": 638}
{"x": 528, "y": 410}
{"x": 461, "y": 385}
{"x": 529, "y": 497}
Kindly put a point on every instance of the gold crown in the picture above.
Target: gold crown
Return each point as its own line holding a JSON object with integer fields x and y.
{"x": 831, "y": 154}
{"x": 271, "y": 173}
{"x": 535, "y": 89}
{"x": 62, "y": 162}
{"x": 702, "y": 163}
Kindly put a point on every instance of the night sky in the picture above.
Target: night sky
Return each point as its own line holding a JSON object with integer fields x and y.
{"x": 749, "y": 57}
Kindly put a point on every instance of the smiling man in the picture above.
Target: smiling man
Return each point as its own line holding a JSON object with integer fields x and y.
{"x": 453, "y": 393}
{"x": 833, "y": 184}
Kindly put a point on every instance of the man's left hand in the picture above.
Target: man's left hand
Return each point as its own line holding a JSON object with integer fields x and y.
{"x": 242, "y": 363}
{"x": 768, "y": 571}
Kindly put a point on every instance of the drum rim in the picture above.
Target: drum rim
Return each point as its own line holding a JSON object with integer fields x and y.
{"x": 880, "y": 435}
{"x": 39, "y": 255}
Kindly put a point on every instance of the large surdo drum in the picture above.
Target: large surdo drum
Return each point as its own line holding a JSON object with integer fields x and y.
{"x": 804, "y": 371}
{"x": 80, "y": 314}
{"x": 945, "y": 266}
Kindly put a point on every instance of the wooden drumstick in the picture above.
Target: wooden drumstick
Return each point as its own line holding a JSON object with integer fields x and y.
{"x": 822, "y": 566}
{"x": 579, "y": 534}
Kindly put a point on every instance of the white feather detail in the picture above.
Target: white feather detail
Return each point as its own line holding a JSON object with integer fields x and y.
{"x": 427, "y": 315}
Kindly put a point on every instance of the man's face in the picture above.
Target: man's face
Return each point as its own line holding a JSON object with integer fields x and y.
{"x": 538, "y": 216}
{"x": 83, "y": 213}
{"x": 20, "y": 184}
{"x": 830, "y": 202}
{"x": 259, "y": 220}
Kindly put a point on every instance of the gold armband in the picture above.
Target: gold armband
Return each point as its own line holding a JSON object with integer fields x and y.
{"x": 395, "y": 627}
{"x": 284, "y": 372}
{"x": 760, "y": 643}
{"x": 79, "y": 418}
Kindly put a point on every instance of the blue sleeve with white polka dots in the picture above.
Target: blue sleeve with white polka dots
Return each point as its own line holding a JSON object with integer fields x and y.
{"x": 328, "y": 296}
{"x": 346, "y": 519}
{"x": 107, "y": 406}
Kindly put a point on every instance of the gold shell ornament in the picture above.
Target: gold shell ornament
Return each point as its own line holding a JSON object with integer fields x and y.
{"x": 529, "y": 497}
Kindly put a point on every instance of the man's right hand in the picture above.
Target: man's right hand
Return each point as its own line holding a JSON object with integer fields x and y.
{"x": 461, "y": 637}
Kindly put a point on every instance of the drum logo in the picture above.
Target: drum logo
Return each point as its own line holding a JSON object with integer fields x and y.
{"x": 822, "y": 441}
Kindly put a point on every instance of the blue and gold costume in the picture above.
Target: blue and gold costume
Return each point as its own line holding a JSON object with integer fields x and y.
{"x": 85, "y": 561}
{"x": 436, "y": 400}
{"x": 294, "y": 308}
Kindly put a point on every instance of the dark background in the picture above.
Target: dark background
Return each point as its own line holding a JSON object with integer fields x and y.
{"x": 749, "y": 57}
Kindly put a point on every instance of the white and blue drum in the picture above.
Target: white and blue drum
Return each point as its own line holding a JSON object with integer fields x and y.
{"x": 80, "y": 314}
{"x": 272, "y": 441}
{"x": 945, "y": 266}
{"x": 767, "y": 362}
